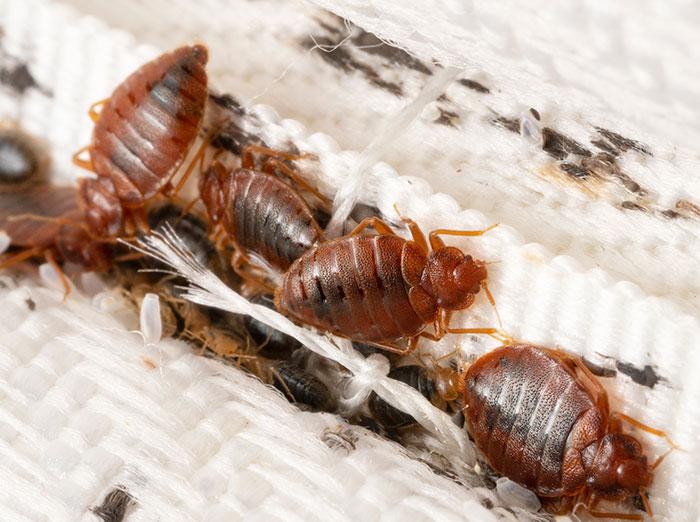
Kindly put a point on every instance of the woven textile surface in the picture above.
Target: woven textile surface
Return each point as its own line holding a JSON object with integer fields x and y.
{"x": 596, "y": 192}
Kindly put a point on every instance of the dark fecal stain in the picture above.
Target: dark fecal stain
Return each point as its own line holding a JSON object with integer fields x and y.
{"x": 340, "y": 57}
{"x": 621, "y": 143}
{"x": 669, "y": 213}
{"x": 560, "y": 146}
{"x": 631, "y": 205}
{"x": 646, "y": 376}
{"x": 575, "y": 171}
{"x": 598, "y": 370}
{"x": 228, "y": 102}
{"x": 114, "y": 506}
{"x": 337, "y": 29}
{"x": 474, "y": 85}
{"x": 18, "y": 78}
{"x": 30, "y": 304}
{"x": 512, "y": 124}
{"x": 688, "y": 207}
{"x": 447, "y": 118}
{"x": 604, "y": 165}
{"x": 605, "y": 146}
{"x": 486, "y": 502}
{"x": 369, "y": 43}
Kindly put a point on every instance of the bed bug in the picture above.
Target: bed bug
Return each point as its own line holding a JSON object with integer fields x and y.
{"x": 391, "y": 418}
{"x": 53, "y": 229}
{"x": 300, "y": 386}
{"x": 382, "y": 288}
{"x": 543, "y": 420}
{"x": 191, "y": 229}
{"x": 142, "y": 136}
{"x": 23, "y": 160}
{"x": 258, "y": 213}
{"x": 269, "y": 341}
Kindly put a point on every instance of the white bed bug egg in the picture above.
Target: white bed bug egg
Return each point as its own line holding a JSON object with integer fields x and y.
{"x": 149, "y": 319}
{"x": 51, "y": 278}
{"x": 514, "y": 495}
{"x": 530, "y": 127}
{"x": 4, "y": 241}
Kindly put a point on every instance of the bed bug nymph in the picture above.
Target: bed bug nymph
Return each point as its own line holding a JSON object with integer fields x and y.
{"x": 54, "y": 229}
{"x": 383, "y": 288}
{"x": 257, "y": 212}
{"x": 141, "y": 138}
{"x": 542, "y": 419}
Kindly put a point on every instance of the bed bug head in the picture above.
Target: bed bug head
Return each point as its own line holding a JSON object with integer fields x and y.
{"x": 619, "y": 468}
{"x": 453, "y": 278}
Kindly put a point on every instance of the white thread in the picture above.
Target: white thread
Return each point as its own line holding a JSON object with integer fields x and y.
{"x": 208, "y": 290}
{"x": 350, "y": 191}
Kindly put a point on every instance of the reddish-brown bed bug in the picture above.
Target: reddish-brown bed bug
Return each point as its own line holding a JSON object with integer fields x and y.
{"x": 542, "y": 419}
{"x": 45, "y": 220}
{"x": 142, "y": 135}
{"x": 382, "y": 288}
{"x": 258, "y": 213}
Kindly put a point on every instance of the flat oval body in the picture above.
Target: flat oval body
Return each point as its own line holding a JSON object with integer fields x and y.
{"x": 265, "y": 216}
{"x": 301, "y": 386}
{"x": 532, "y": 416}
{"x": 148, "y": 125}
{"x": 355, "y": 287}
{"x": 48, "y": 201}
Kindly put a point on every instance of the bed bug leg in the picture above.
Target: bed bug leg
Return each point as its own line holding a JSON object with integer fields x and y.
{"x": 47, "y": 219}
{"x": 248, "y": 151}
{"x": 616, "y": 416}
{"x": 441, "y": 328}
{"x": 237, "y": 262}
{"x": 416, "y": 232}
{"x": 51, "y": 259}
{"x": 436, "y": 242}
{"x": 377, "y": 223}
{"x": 19, "y": 257}
{"x": 197, "y": 159}
{"x": 80, "y": 162}
{"x": 93, "y": 112}
{"x": 273, "y": 165}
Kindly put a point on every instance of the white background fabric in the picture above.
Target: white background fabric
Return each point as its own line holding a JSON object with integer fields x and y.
{"x": 574, "y": 270}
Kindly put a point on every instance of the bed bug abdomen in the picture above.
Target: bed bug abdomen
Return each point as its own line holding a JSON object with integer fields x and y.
{"x": 532, "y": 418}
{"x": 301, "y": 386}
{"x": 150, "y": 122}
{"x": 354, "y": 286}
{"x": 265, "y": 216}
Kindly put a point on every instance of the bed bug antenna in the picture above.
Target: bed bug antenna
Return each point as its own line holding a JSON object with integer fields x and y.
{"x": 489, "y": 296}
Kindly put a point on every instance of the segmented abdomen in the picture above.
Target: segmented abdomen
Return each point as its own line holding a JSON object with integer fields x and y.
{"x": 147, "y": 127}
{"x": 301, "y": 386}
{"x": 265, "y": 216}
{"x": 354, "y": 286}
{"x": 522, "y": 407}
{"x": 47, "y": 201}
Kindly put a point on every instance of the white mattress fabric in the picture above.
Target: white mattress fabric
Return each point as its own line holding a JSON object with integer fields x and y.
{"x": 600, "y": 258}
